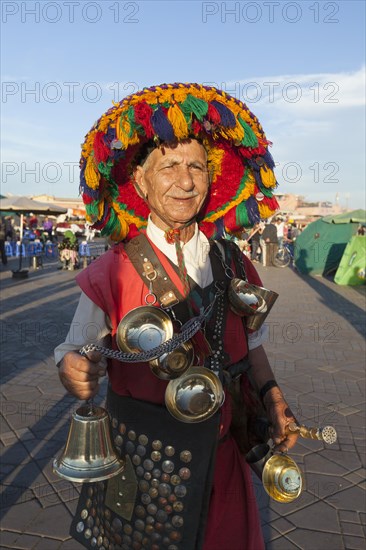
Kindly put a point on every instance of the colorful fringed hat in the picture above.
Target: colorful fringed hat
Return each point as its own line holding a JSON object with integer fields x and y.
{"x": 241, "y": 167}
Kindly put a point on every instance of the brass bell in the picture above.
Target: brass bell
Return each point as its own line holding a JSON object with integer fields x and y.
{"x": 195, "y": 396}
{"x": 89, "y": 454}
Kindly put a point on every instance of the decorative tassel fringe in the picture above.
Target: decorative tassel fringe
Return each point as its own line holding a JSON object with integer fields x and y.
{"x": 239, "y": 162}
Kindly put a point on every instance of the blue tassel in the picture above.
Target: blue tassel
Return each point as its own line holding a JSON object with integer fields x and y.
{"x": 252, "y": 209}
{"x": 227, "y": 117}
{"x": 162, "y": 126}
{"x": 269, "y": 159}
{"x": 109, "y": 136}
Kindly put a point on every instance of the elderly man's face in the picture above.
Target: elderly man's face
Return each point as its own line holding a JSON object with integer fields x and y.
{"x": 175, "y": 182}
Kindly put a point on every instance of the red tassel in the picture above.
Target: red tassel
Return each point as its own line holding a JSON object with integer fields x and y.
{"x": 271, "y": 203}
{"x": 143, "y": 114}
{"x": 101, "y": 151}
{"x": 87, "y": 199}
{"x": 196, "y": 127}
{"x": 213, "y": 115}
{"x": 230, "y": 222}
{"x": 228, "y": 182}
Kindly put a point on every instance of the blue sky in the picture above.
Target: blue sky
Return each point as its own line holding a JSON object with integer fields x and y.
{"x": 300, "y": 67}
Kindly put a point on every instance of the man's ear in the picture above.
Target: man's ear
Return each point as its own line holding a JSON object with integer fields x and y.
{"x": 138, "y": 181}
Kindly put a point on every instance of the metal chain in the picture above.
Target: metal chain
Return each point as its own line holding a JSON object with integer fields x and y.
{"x": 189, "y": 329}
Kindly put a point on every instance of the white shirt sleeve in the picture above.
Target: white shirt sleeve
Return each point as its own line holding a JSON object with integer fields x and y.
{"x": 257, "y": 338}
{"x": 89, "y": 326}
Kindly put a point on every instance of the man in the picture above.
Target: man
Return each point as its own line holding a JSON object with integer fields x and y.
{"x": 168, "y": 156}
{"x": 269, "y": 243}
{"x": 280, "y": 226}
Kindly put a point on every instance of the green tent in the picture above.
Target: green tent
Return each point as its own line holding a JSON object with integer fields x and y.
{"x": 320, "y": 247}
{"x": 352, "y": 269}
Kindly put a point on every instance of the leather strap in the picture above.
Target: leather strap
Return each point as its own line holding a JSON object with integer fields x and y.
{"x": 150, "y": 269}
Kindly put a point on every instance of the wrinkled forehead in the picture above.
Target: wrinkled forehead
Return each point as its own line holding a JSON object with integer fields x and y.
{"x": 192, "y": 147}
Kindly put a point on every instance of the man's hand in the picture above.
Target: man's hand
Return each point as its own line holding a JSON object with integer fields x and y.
{"x": 80, "y": 375}
{"x": 280, "y": 416}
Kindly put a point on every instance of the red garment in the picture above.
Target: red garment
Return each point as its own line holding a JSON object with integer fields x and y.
{"x": 113, "y": 284}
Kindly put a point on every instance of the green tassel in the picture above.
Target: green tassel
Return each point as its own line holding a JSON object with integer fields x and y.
{"x": 250, "y": 139}
{"x": 92, "y": 209}
{"x": 131, "y": 120}
{"x": 105, "y": 169}
{"x": 266, "y": 192}
{"x": 194, "y": 105}
{"x": 242, "y": 215}
{"x": 112, "y": 224}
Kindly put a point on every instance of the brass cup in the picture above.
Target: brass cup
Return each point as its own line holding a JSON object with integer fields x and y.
{"x": 244, "y": 298}
{"x": 280, "y": 475}
{"x": 255, "y": 321}
{"x": 282, "y": 478}
{"x": 195, "y": 396}
{"x": 172, "y": 365}
{"x": 143, "y": 328}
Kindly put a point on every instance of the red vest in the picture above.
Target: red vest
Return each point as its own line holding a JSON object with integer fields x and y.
{"x": 114, "y": 285}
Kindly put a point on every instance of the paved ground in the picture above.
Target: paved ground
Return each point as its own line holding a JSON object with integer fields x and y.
{"x": 316, "y": 345}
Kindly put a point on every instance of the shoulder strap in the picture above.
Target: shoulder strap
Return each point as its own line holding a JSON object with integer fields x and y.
{"x": 151, "y": 271}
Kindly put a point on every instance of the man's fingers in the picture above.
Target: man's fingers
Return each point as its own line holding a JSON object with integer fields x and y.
{"x": 94, "y": 356}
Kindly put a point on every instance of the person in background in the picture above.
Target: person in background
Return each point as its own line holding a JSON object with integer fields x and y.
{"x": 269, "y": 243}
{"x": 254, "y": 239}
{"x": 48, "y": 226}
{"x": 4, "y": 259}
{"x": 280, "y": 225}
{"x": 292, "y": 233}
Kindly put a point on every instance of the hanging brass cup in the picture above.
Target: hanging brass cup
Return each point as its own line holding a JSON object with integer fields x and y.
{"x": 244, "y": 299}
{"x": 255, "y": 321}
{"x": 143, "y": 328}
{"x": 89, "y": 454}
{"x": 195, "y": 396}
{"x": 172, "y": 365}
{"x": 280, "y": 475}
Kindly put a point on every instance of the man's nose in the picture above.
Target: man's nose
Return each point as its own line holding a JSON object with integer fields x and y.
{"x": 185, "y": 179}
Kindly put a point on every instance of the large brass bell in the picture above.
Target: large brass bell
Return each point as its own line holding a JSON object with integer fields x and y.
{"x": 195, "y": 396}
{"x": 172, "y": 365}
{"x": 280, "y": 475}
{"x": 143, "y": 328}
{"x": 89, "y": 454}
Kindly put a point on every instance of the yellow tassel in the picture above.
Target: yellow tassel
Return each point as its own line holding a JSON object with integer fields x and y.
{"x": 264, "y": 211}
{"x": 267, "y": 177}
{"x": 214, "y": 160}
{"x": 180, "y": 95}
{"x": 92, "y": 177}
{"x": 177, "y": 120}
{"x": 100, "y": 209}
